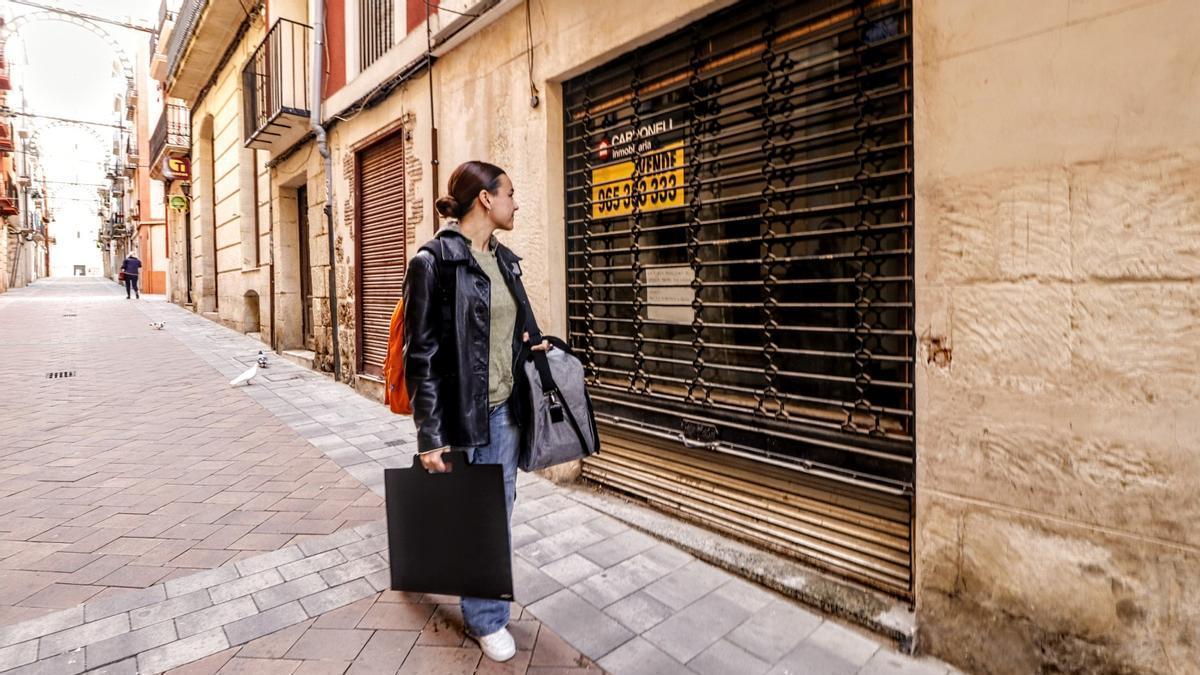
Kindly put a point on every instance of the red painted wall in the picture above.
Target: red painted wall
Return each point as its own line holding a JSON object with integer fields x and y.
{"x": 335, "y": 41}
{"x": 416, "y": 12}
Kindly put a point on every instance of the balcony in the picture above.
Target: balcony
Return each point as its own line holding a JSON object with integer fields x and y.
{"x": 167, "y": 12}
{"x": 5, "y": 81}
{"x": 198, "y": 42}
{"x": 171, "y": 137}
{"x": 160, "y": 41}
{"x": 158, "y": 65}
{"x": 8, "y": 200}
{"x": 275, "y": 85}
{"x": 6, "y": 139}
{"x": 131, "y": 99}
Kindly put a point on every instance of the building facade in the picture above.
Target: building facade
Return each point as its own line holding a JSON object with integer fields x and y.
{"x": 24, "y": 201}
{"x": 903, "y": 291}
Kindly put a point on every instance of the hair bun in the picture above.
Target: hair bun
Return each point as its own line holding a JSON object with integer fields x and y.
{"x": 447, "y": 206}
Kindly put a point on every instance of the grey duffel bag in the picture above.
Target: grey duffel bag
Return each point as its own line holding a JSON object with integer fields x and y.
{"x": 558, "y": 423}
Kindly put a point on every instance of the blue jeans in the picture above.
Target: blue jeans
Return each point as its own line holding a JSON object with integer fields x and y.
{"x": 483, "y": 616}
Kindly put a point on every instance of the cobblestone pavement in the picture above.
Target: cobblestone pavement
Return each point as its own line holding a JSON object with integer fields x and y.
{"x": 152, "y": 517}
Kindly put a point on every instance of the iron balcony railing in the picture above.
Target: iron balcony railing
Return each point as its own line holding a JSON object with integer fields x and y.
{"x": 189, "y": 12}
{"x": 275, "y": 80}
{"x": 173, "y": 130}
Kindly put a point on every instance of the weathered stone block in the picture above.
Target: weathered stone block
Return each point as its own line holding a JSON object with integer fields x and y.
{"x": 1016, "y": 336}
{"x": 1133, "y": 219}
{"x": 1005, "y": 592}
{"x": 1003, "y": 225}
{"x": 1108, "y": 464}
{"x": 1138, "y": 342}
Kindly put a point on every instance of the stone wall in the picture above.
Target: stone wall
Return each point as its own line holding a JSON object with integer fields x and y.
{"x": 1058, "y": 150}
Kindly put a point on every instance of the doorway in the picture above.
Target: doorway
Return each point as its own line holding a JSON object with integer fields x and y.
{"x": 306, "y": 317}
{"x": 187, "y": 253}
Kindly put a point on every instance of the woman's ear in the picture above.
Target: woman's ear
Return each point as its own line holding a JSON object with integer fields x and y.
{"x": 485, "y": 198}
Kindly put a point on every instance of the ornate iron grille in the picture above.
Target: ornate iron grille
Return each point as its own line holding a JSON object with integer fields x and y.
{"x": 739, "y": 226}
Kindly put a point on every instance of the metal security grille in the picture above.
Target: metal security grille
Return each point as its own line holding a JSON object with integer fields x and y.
{"x": 381, "y": 246}
{"x": 739, "y": 225}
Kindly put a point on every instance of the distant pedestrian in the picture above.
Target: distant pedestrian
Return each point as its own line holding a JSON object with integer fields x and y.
{"x": 131, "y": 267}
{"x": 460, "y": 376}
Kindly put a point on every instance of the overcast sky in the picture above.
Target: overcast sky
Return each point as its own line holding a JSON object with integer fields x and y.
{"x": 67, "y": 71}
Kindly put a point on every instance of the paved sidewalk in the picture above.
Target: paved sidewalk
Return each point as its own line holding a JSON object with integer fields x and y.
{"x": 143, "y": 465}
{"x": 617, "y": 596}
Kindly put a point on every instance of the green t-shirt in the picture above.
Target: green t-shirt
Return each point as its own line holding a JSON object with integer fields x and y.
{"x": 504, "y": 322}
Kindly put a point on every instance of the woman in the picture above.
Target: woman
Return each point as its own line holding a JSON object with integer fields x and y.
{"x": 132, "y": 267}
{"x": 462, "y": 329}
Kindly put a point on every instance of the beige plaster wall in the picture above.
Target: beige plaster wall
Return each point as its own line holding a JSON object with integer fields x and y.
{"x": 1057, "y": 158}
{"x": 484, "y": 113}
{"x": 224, "y": 199}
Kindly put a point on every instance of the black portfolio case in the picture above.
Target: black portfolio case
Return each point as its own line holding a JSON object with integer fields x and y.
{"x": 448, "y": 533}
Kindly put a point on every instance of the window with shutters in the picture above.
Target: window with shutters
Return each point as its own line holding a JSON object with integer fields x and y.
{"x": 376, "y": 21}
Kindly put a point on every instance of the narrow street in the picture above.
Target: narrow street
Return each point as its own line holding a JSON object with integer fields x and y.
{"x": 152, "y": 517}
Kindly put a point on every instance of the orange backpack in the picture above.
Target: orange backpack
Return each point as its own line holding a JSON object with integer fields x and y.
{"x": 395, "y": 393}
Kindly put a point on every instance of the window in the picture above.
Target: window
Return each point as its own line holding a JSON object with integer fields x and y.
{"x": 376, "y": 21}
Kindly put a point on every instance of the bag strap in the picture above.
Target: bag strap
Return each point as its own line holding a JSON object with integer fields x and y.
{"x": 535, "y": 333}
{"x": 535, "y": 337}
{"x": 558, "y": 407}
{"x": 571, "y": 419}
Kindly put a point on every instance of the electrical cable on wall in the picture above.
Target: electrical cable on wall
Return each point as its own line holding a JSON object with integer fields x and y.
{"x": 534, "y": 97}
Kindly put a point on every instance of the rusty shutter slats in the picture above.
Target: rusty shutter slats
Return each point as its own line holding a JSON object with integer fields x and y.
{"x": 381, "y": 247}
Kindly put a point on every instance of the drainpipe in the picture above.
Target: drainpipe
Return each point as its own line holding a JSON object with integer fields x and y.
{"x": 433, "y": 133}
{"x": 318, "y": 75}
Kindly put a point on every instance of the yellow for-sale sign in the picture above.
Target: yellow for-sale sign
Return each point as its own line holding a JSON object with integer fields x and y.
{"x": 659, "y": 184}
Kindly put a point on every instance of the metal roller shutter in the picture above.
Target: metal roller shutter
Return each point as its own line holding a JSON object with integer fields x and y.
{"x": 739, "y": 225}
{"x": 381, "y": 247}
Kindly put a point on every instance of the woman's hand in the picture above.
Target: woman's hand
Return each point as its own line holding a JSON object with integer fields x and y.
{"x": 433, "y": 462}
{"x": 544, "y": 347}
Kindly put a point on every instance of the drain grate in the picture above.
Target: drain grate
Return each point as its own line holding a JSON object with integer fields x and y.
{"x": 392, "y": 444}
{"x": 59, "y": 374}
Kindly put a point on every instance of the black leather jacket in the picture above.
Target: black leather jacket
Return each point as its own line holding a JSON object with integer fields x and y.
{"x": 446, "y": 340}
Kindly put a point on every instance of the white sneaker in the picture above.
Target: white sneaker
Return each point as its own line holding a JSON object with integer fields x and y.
{"x": 498, "y": 646}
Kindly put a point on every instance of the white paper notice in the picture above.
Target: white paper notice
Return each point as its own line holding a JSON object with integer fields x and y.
{"x": 672, "y": 286}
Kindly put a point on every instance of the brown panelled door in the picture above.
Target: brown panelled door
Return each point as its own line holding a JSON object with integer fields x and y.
{"x": 381, "y": 244}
